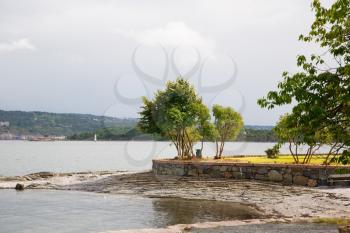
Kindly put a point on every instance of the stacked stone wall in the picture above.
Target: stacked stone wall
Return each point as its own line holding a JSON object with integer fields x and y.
{"x": 298, "y": 174}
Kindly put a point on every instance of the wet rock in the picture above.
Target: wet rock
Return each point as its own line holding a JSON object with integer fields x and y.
{"x": 188, "y": 228}
{"x": 300, "y": 180}
{"x": 9, "y": 178}
{"x": 19, "y": 187}
{"x": 274, "y": 176}
{"x": 27, "y": 178}
{"x": 33, "y": 186}
{"x": 40, "y": 175}
{"x": 45, "y": 174}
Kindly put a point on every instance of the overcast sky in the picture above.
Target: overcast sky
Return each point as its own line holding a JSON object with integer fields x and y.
{"x": 99, "y": 57}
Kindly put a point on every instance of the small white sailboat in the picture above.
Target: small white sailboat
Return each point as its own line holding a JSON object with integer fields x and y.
{"x": 95, "y": 138}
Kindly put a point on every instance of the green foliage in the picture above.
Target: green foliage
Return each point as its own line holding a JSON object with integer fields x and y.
{"x": 289, "y": 130}
{"x": 59, "y": 124}
{"x": 249, "y": 134}
{"x": 107, "y": 134}
{"x": 206, "y": 129}
{"x": 84, "y": 127}
{"x": 321, "y": 89}
{"x": 176, "y": 113}
{"x": 344, "y": 158}
{"x": 341, "y": 171}
{"x": 228, "y": 124}
{"x": 272, "y": 153}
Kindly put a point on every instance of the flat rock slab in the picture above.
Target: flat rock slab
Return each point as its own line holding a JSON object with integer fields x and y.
{"x": 273, "y": 199}
{"x": 272, "y": 228}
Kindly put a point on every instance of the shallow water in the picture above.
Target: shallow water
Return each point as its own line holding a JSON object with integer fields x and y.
{"x": 24, "y": 157}
{"x": 64, "y": 211}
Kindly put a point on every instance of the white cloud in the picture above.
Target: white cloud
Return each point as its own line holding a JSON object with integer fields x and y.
{"x": 20, "y": 44}
{"x": 172, "y": 34}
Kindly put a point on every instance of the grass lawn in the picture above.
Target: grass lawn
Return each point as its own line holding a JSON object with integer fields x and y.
{"x": 284, "y": 159}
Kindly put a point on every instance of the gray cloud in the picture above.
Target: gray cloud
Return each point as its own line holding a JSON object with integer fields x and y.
{"x": 82, "y": 47}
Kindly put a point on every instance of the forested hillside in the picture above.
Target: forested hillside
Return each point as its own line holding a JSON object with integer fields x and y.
{"x": 59, "y": 124}
{"x": 248, "y": 134}
{"x": 85, "y": 126}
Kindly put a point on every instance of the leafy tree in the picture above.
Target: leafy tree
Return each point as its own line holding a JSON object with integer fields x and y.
{"x": 289, "y": 131}
{"x": 174, "y": 113}
{"x": 228, "y": 124}
{"x": 321, "y": 89}
{"x": 206, "y": 129}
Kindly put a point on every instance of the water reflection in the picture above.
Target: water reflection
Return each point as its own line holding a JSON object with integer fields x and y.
{"x": 34, "y": 211}
{"x": 184, "y": 211}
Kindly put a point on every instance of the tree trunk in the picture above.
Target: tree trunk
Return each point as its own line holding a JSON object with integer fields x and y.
{"x": 217, "y": 149}
{"x": 291, "y": 151}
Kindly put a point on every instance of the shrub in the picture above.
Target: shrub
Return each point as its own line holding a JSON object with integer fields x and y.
{"x": 273, "y": 152}
{"x": 343, "y": 158}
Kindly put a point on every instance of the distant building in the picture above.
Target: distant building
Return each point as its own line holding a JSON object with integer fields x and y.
{"x": 4, "y": 124}
{"x": 7, "y": 136}
{"x": 44, "y": 138}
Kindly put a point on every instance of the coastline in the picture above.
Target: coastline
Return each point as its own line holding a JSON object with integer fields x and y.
{"x": 276, "y": 201}
{"x": 240, "y": 226}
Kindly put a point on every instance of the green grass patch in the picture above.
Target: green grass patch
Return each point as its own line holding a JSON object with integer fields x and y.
{"x": 282, "y": 159}
{"x": 336, "y": 221}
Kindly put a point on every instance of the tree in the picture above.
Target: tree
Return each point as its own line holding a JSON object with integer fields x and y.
{"x": 174, "y": 113}
{"x": 287, "y": 131}
{"x": 228, "y": 124}
{"x": 321, "y": 89}
{"x": 206, "y": 129}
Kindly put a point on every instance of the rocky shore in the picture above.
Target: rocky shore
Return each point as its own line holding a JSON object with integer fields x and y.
{"x": 276, "y": 201}
{"x": 51, "y": 180}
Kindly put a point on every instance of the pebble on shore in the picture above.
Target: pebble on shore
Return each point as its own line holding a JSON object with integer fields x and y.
{"x": 19, "y": 187}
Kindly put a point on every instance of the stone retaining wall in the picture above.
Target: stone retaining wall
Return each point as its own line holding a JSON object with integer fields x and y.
{"x": 299, "y": 174}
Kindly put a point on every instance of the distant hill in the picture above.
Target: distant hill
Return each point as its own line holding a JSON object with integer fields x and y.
{"x": 45, "y": 123}
{"x": 259, "y": 127}
{"x": 85, "y": 126}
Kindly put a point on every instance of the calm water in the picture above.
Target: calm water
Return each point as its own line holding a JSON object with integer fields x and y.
{"x": 34, "y": 211}
{"x": 68, "y": 212}
{"x": 23, "y": 157}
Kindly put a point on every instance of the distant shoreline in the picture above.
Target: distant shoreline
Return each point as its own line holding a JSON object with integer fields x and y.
{"x": 120, "y": 140}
